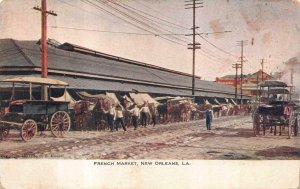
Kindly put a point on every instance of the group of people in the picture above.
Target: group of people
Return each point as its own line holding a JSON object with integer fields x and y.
{"x": 116, "y": 117}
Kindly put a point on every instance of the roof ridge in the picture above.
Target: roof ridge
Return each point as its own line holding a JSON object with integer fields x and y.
{"x": 22, "y": 52}
{"x": 84, "y": 50}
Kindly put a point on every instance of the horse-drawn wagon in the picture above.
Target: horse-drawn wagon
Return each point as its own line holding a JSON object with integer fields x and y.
{"x": 275, "y": 108}
{"x": 28, "y": 115}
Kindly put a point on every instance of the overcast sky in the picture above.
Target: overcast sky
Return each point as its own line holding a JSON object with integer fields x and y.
{"x": 272, "y": 28}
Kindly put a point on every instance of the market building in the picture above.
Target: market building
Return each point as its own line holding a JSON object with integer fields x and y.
{"x": 88, "y": 70}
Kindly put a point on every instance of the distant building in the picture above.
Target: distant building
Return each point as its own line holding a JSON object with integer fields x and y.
{"x": 250, "y": 81}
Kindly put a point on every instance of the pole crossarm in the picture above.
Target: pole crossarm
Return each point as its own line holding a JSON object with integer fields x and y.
{"x": 48, "y": 12}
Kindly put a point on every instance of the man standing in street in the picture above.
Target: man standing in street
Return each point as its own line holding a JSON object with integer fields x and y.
{"x": 135, "y": 116}
{"x": 119, "y": 118}
{"x": 145, "y": 111}
{"x": 111, "y": 117}
{"x": 208, "y": 116}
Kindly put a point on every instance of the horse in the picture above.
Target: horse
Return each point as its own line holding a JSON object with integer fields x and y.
{"x": 100, "y": 117}
{"x": 82, "y": 115}
{"x": 162, "y": 113}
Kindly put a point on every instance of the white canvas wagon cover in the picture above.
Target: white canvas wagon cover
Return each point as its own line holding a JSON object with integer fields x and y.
{"x": 36, "y": 80}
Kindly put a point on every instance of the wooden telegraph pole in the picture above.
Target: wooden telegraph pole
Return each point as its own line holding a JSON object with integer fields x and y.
{"x": 236, "y": 66}
{"x": 44, "y": 70}
{"x": 242, "y": 43}
{"x": 262, "y": 70}
{"x": 193, "y": 4}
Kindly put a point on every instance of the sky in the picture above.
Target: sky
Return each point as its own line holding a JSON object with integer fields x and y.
{"x": 155, "y": 31}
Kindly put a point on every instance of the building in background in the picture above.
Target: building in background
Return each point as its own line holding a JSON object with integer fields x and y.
{"x": 250, "y": 82}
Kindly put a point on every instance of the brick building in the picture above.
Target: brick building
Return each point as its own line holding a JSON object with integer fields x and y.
{"x": 250, "y": 81}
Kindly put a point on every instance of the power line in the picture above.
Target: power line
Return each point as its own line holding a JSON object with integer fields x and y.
{"x": 116, "y": 32}
{"x": 163, "y": 21}
{"x": 137, "y": 18}
{"x": 140, "y": 27}
{"x": 216, "y": 46}
{"x": 132, "y": 33}
{"x": 205, "y": 51}
{"x": 159, "y": 12}
{"x": 127, "y": 21}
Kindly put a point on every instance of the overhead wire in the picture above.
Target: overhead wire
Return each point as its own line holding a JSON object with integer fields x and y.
{"x": 144, "y": 27}
{"x": 207, "y": 41}
{"x": 185, "y": 40}
{"x": 116, "y": 32}
{"x": 125, "y": 20}
{"x": 152, "y": 33}
{"x": 163, "y": 21}
{"x": 159, "y": 12}
{"x": 136, "y": 18}
{"x": 215, "y": 45}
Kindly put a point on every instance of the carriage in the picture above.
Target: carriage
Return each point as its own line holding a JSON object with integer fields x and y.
{"x": 275, "y": 109}
{"x": 31, "y": 115}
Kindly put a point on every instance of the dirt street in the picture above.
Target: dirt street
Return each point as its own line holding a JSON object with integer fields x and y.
{"x": 230, "y": 138}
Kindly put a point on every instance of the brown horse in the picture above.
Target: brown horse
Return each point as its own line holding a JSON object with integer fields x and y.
{"x": 100, "y": 117}
{"x": 82, "y": 114}
{"x": 162, "y": 113}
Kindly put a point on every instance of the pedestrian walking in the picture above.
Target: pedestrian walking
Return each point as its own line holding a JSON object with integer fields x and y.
{"x": 209, "y": 117}
{"x": 111, "y": 117}
{"x": 145, "y": 112}
{"x": 135, "y": 116}
{"x": 119, "y": 118}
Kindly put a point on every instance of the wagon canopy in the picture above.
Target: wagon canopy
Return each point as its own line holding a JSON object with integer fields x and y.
{"x": 273, "y": 83}
{"x": 36, "y": 80}
{"x": 279, "y": 91}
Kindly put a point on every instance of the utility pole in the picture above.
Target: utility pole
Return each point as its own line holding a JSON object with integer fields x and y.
{"x": 193, "y": 4}
{"x": 44, "y": 72}
{"x": 257, "y": 87}
{"x": 292, "y": 80}
{"x": 262, "y": 69}
{"x": 242, "y": 43}
{"x": 236, "y": 66}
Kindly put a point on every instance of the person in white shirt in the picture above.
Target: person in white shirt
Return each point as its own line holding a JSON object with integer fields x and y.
{"x": 145, "y": 111}
{"x": 111, "y": 117}
{"x": 135, "y": 116}
{"x": 119, "y": 118}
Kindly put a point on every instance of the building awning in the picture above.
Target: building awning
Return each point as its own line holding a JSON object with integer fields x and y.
{"x": 80, "y": 83}
{"x": 35, "y": 80}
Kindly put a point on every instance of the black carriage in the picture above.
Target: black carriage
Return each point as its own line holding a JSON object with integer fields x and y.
{"x": 30, "y": 115}
{"x": 275, "y": 109}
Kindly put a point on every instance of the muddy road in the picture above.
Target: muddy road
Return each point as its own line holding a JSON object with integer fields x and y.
{"x": 230, "y": 138}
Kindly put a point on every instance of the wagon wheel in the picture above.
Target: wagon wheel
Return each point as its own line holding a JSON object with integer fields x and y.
{"x": 60, "y": 123}
{"x": 257, "y": 119}
{"x": 28, "y": 130}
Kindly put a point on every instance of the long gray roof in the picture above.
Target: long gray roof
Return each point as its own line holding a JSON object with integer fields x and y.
{"x": 87, "y": 69}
